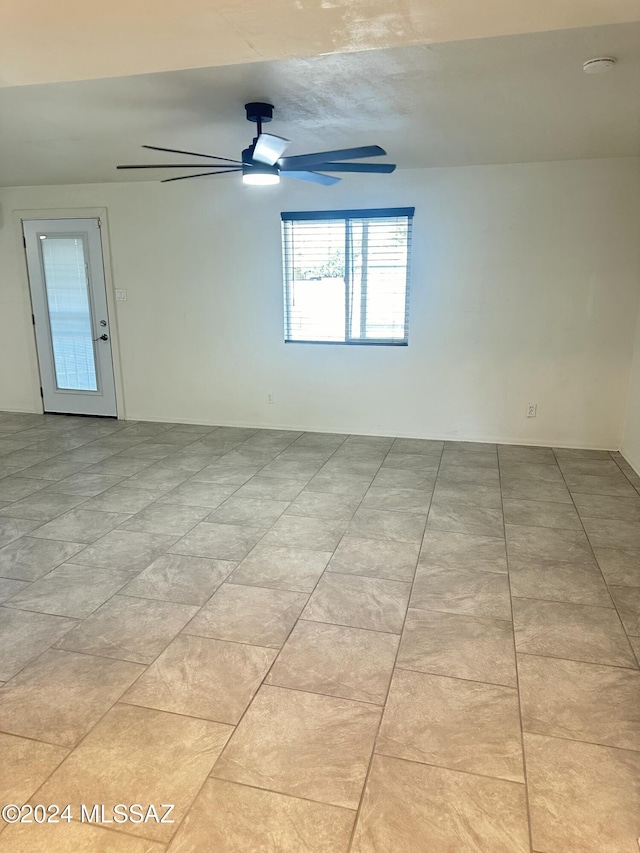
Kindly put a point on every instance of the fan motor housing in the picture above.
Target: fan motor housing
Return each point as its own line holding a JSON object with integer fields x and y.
{"x": 259, "y": 112}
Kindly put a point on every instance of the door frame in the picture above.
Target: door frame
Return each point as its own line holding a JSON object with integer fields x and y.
{"x": 71, "y": 213}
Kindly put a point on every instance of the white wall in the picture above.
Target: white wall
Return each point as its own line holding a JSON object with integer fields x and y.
{"x": 631, "y": 437}
{"x": 525, "y": 289}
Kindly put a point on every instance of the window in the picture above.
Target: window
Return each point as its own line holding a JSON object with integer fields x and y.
{"x": 346, "y": 276}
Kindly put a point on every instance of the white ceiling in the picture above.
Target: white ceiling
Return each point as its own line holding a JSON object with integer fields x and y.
{"x": 520, "y": 98}
{"x": 43, "y": 41}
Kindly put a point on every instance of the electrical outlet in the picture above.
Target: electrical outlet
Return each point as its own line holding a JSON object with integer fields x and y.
{"x": 270, "y": 398}
{"x": 532, "y": 410}
{"x": 121, "y": 295}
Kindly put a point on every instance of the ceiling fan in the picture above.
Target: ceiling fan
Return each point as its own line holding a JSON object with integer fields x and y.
{"x": 262, "y": 162}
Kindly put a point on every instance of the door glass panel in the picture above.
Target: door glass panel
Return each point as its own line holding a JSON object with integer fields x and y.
{"x": 65, "y": 274}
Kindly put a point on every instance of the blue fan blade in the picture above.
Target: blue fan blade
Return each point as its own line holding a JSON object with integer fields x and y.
{"x": 312, "y": 177}
{"x": 301, "y": 161}
{"x": 269, "y": 148}
{"x": 381, "y": 168}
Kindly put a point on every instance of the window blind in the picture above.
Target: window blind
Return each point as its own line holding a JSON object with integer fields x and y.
{"x": 346, "y": 276}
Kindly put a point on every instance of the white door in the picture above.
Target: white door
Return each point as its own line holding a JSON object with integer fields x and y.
{"x": 69, "y": 300}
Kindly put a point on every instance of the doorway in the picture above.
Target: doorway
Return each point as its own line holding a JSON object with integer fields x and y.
{"x": 69, "y": 304}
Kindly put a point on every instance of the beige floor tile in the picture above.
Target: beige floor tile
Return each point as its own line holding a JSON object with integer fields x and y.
{"x": 185, "y": 580}
{"x": 13, "y": 528}
{"x": 70, "y": 590}
{"x": 120, "y": 464}
{"x": 29, "y": 559}
{"x": 271, "y": 488}
{"x": 41, "y": 506}
{"x": 463, "y": 551}
{"x": 291, "y": 469}
{"x": 480, "y": 459}
{"x": 133, "y": 629}
{"x": 416, "y": 808}
{"x": 627, "y": 600}
{"x": 450, "y": 515}
{"x": 361, "y": 465}
{"x": 359, "y": 602}
{"x": 172, "y": 519}
{"x": 580, "y": 453}
{"x": 620, "y": 567}
{"x": 541, "y": 514}
{"x": 16, "y": 487}
{"x": 412, "y": 461}
{"x": 25, "y": 635}
{"x": 122, "y": 499}
{"x": 375, "y": 558}
{"x": 548, "y": 544}
{"x": 59, "y": 696}
{"x": 218, "y": 541}
{"x": 604, "y": 506}
{"x": 297, "y": 569}
{"x": 521, "y": 488}
{"x": 508, "y": 453}
{"x": 161, "y": 478}
{"x": 195, "y": 493}
{"x": 459, "y": 646}
{"x": 581, "y": 701}
{"x": 417, "y": 445}
{"x": 612, "y": 533}
{"x": 316, "y": 747}
{"x": 349, "y": 663}
{"x": 395, "y": 526}
{"x": 66, "y": 837}
{"x": 582, "y": 798}
{"x": 56, "y": 468}
{"x": 595, "y": 467}
{"x": 469, "y": 494}
{"x": 471, "y": 446}
{"x": 230, "y": 818}
{"x": 125, "y": 549}
{"x": 397, "y": 500}
{"x": 404, "y": 478}
{"x": 317, "y": 534}
{"x": 10, "y": 587}
{"x": 590, "y": 484}
{"x": 86, "y": 484}
{"x": 539, "y": 471}
{"x": 462, "y": 725}
{"x": 469, "y": 474}
{"x": 248, "y": 614}
{"x": 575, "y": 631}
{"x": 467, "y": 592}
{"x": 254, "y": 512}
{"x": 354, "y": 485}
{"x": 24, "y": 767}
{"x": 204, "y": 678}
{"x": 552, "y": 580}
{"x": 139, "y": 755}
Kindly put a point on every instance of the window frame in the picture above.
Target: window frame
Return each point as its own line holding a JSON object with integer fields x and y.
{"x": 347, "y": 215}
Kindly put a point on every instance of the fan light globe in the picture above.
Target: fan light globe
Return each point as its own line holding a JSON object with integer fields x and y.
{"x": 258, "y": 174}
{"x": 260, "y": 178}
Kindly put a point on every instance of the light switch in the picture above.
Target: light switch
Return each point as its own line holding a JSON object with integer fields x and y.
{"x": 121, "y": 295}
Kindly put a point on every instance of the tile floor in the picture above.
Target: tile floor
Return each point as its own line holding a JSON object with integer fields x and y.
{"x": 313, "y": 642}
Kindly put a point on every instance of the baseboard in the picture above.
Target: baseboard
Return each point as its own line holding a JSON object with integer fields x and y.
{"x": 17, "y": 411}
{"x": 432, "y": 437}
{"x": 635, "y": 463}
